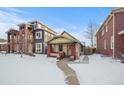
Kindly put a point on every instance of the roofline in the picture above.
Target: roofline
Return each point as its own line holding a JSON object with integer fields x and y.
{"x": 109, "y": 15}
{"x": 58, "y": 36}
{"x": 71, "y": 36}
{"x": 61, "y": 35}
{"x": 43, "y": 25}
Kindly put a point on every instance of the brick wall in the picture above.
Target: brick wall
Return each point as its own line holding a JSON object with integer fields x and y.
{"x": 107, "y": 36}
{"x": 119, "y": 39}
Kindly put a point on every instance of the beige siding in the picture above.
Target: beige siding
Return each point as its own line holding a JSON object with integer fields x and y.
{"x": 30, "y": 48}
{"x": 66, "y": 35}
{"x": 61, "y": 40}
{"x": 65, "y": 49}
{"x": 47, "y": 36}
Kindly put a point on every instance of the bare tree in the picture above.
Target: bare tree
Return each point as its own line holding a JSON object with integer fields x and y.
{"x": 91, "y": 29}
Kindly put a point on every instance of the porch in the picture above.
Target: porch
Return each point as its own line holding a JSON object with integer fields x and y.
{"x": 62, "y": 50}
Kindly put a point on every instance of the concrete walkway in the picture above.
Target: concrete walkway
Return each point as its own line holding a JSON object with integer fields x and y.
{"x": 71, "y": 77}
{"x": 86, "y": 59}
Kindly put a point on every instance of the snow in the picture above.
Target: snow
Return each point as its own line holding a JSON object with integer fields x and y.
{"x": 100, "y": 70}
{"x": 3, "y": 43}
{"x": 29, "y": 70}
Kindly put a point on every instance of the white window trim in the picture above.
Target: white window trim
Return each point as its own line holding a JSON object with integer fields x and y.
{"x": 103, "y": 32}
{"x": 112, "y": 42}
{"x": 38, "y": 37}
{"x": 105, "y": 44}
{"x": 38, "y": 49}
{"x": 106, "y": 28}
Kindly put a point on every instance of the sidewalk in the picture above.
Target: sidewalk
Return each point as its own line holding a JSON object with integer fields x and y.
{"x": 71, "y": 76}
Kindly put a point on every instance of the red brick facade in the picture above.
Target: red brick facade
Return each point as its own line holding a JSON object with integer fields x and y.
{"x": 73, "y": 50}
{"x": 119, "y": 39}
{"x": 49, "y": 50}
{"x": 115, "y": 24}
{"x": 107, "y": 36}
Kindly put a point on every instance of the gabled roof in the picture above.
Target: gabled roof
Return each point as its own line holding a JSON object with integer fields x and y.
{"x": 62, "y": 36}
{"x": 115, "y": 10}
{"x": 70, "y": 36}
{"x": 60, "y": 39}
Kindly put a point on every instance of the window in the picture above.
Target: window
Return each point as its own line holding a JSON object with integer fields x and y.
{"x": 39, "y": 35}
{"x": 38, "y": 47}
{"x": 106, "y": 28}
{"x": 112, "y": 42}
{"x": 102, "y": 32}
{"x": 98, "y": 36}
{"x": 104, "y": 44}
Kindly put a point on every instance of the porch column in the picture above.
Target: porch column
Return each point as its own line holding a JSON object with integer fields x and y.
{"x": 49, "y": 50}
{"x": 8, "y": 45}
{"x": 12, "y": 42}
{"x": 73, "y": 51}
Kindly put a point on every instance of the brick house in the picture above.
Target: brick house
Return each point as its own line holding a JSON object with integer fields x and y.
{"x": 64, "y": 45}
{"x": 110, "y": 36}
{"x": 31, "y": 37}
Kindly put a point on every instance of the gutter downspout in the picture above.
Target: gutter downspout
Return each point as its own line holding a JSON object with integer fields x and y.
{"x": 113, "y": 35}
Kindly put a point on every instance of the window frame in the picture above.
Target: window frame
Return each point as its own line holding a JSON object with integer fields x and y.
{"x": 103, "y": 32}
{"x": 38, "y": 35}
{"x": 112, "y": 42}
{"x": 105, "y": 47}
{"x": 38, "y": 48}
{"x": 106, "y": 28}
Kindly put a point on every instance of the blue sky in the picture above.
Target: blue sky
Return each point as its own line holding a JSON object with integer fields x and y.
{"x": 73, "y": 20}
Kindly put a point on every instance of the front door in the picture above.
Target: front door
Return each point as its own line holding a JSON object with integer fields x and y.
{"x": 60, "y": 47}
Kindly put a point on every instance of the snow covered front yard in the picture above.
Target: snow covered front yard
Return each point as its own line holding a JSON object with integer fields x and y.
{"x": 42, "y": 70}
{"x": 100, "y": 70}
{"x": 29, "y": 70}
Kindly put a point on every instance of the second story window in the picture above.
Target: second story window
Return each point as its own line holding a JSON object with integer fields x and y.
{"x": 38, "y": 35}
{"x": 106, "y": 28}
{"x": 102, "y": 32}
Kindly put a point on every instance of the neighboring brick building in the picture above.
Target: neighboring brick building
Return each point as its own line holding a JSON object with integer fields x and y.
{"x": 110, "y": 36}
{"x": 3, "y": 46}
{"x": 31, "y": 37}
